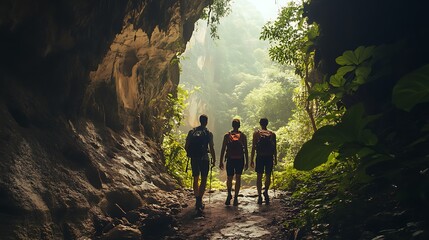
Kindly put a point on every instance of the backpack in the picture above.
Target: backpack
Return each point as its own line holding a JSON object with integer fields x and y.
{"x": 198, "y": 142}
{"x": 265, "y": 145}
{"x": 234, "y": 146}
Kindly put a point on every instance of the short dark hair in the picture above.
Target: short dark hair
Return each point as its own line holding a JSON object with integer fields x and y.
{"x": 263, "y": 122}
{"x": 204, "y": 118}
{"x": 236, "y": 123}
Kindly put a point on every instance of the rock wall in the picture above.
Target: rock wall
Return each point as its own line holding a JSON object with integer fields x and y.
{"x": 82, "y": 103}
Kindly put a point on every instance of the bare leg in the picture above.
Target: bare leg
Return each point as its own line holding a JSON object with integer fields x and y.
{"x": 237, "y": 184}
{"x": 267, "y": 182}
{"x": 259, "y": 183}
{"x": 195, "y": 186}
{"x": 229, "y": 187}
{"x": 267, "y": 186}
{"x": 229, "y": 184}
{"x": 202, "y": 186}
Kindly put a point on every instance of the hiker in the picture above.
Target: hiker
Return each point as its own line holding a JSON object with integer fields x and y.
{"x": 264, "y": 143}
{"x": 237, "y": 157}
{"x": 198, "y": 141}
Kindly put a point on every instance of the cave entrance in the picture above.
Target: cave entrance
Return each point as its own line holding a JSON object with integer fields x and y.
{"x": 233, "y": 76}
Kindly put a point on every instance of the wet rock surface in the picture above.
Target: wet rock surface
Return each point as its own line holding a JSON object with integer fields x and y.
{"x": 151, "y": 221}
{"x": 178, "y": 219}
{"x": 82, "y": 116}
{"x": 248, "y": 220}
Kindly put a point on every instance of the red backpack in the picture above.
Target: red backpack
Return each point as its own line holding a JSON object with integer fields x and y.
{"x": 234, "y": 146}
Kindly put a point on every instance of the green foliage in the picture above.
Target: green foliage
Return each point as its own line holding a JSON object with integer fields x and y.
{"x": 291, "y": 38}
{"x": 375, "y": 106}
{"x": 176, "y": 106}
{"x": 412, "y": 89}
{"x": 229, "y": 69}
{"x": 350, "y": 139}
{"x": 354, "y": 71}
{"x": 176, "y": 161}
{"x": 291, "y": 137}
{"x": 173, "y": 143}
{"x": 216, "y": 10}
{"x": 271, "y": 100}
{"x": 316, "y": 194}
{"x": 289, "y": 178}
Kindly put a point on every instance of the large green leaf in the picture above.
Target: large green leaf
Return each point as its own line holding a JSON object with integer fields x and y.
{"x": 359, "y": 80}
{"x": 363, "y": 53}
{"x": 344, "y": 70}
{"x": 412, "y": 89}
{"x": 351, "y": 121}
{"x": 348, "y": 58}
{"x": 337, "y": 80}
{"x": 312, "y": 154}
{"x": 363, "y": 71}
{"x": 331, "y": 135}
{"x": 353, "y": 125}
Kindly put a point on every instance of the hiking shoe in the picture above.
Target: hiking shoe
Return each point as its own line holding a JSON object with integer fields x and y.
{"x": 235, "y": 201}
{"x": 267, "y": 198}
{"x": 259, "y": 200}
{"x": 200, "y": 213}
{"x": 228, "y": 200}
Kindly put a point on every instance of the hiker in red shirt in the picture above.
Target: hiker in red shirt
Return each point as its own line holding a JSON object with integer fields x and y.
{"x": 264, "y": 143}
{"x": 237, "y": 157}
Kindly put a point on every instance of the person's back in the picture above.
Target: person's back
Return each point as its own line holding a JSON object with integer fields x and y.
{"x": 235, "y": 144}
{"x": 198, "y": 142}
{"x": 199, "y": 139}
{"x": 264, "y": 144}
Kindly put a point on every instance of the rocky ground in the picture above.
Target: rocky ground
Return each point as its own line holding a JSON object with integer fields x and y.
{"x": 248, "y": 220}
{"x": 310, "y": 215}
{"x": 180, "y": 220}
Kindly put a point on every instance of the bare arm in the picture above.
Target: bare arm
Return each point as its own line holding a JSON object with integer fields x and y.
{"x": 222, "y": 152}
{"x": 246, "y": 152}
{"x": 212, "y": 151}
{"x": 275, "y": 148}
{"x": 252, "y": 155}
{"x": 187, "y": 143}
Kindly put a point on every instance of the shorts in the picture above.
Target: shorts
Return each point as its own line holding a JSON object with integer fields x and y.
{"x": 200, "y": 165}
{"x": 264, "y": 163}
{"x": 234, "y": 166}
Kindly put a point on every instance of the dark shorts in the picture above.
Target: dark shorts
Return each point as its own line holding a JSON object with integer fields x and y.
{"x": 264, "y": 163}
{"x": 234, "y": 166}
{"x": 200, "y": 165}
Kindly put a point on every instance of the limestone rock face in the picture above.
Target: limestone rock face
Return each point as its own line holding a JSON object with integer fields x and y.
{"x": 140, "y": 70}
{"x": 83, "y": 92}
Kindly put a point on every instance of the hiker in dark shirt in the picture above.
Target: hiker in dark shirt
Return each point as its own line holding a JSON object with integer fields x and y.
{"x": 237, "y": 157}
{"x": 264, "y": 143}
{"x": 198, "y": 142}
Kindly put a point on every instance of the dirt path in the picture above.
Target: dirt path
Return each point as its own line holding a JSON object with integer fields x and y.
{"x": 248, "y": 220}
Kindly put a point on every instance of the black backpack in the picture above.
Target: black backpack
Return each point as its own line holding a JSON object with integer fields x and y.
{"x": 199, "y": 139}
{"x": 265, "y": 145}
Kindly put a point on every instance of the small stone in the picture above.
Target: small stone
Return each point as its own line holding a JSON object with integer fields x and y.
{"x": 379, "y": 237}
{"x": 418, "y": 233}
{"x": 122, "y": 232}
